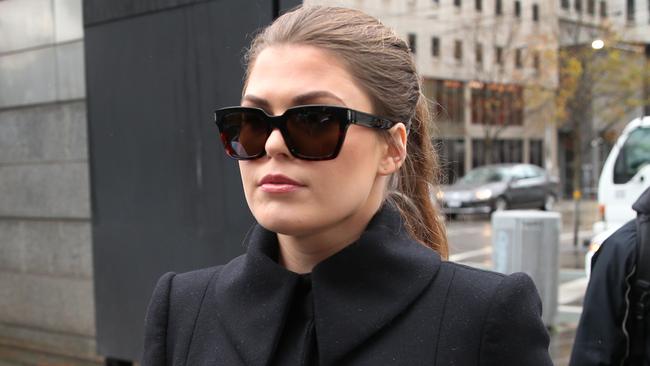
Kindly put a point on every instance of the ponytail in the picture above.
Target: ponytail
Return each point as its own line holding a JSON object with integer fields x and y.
{"x": 410, "y": 190}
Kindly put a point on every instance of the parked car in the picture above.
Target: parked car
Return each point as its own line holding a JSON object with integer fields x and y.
{"x": 499, "y": 187}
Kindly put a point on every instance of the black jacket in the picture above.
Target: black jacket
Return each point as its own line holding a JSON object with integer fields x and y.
{"x": 602, "y": 335}
{"x": 384, "y": 300}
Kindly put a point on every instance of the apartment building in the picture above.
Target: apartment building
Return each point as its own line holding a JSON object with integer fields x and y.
{"x": 478, "y": 60}
{"x": 492, "y": 69}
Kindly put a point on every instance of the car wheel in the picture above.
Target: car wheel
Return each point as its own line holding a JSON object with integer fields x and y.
{"x": 549, "y": 203}
{"x": 500, "y": 204}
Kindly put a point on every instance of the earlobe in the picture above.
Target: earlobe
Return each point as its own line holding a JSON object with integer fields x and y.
{"x": 395, "y": 153}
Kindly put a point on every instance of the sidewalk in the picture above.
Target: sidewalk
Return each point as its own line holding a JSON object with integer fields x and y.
{"x": 574, "y": 283}
{"x": 588, "y": 213}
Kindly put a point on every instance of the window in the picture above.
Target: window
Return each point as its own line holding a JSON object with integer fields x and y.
{"x": 578, "y": 5}
{"x": 630, "y": 10}
{"x": 478, "y": 4}
{"x": 435, "y": 46}
{"x": 458, "y": 3}
{"x": 517, "y": 9}
{"x": 448, "y": 99}
{"x": 478, "y": 152}
{"x": 451, "y": 154}
{"x": 479, "y": 54}
{"x": 519, "y": 58}
{"x": 564, "y": 4}
{"x": 603, "y": 9}
{"x": 498, "y": 55}
{"x": 498, "y": 9}
{"x": 497, "y": 104}
{"x": 536, "y": 61}
{"x": 634, "y": 155}
{"x": 536, "y": 152}
{"x": 509, "y": 151}
{"x": 501, "y": 151}
{"x": 591, "y": 7}
{"x": 458, "y": 50}
{"x": 523, "y": 171}
{"x": 535, "y": 12}
{"x": 412, "y": 39}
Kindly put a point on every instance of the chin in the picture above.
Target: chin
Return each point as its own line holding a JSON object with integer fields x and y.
{"x": 285, "y": 224}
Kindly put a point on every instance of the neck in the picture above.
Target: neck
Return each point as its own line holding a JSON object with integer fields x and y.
{"x": 300, "y": 254}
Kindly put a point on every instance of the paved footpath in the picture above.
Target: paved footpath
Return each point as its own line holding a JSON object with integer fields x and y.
{"x": 573, "y": 281}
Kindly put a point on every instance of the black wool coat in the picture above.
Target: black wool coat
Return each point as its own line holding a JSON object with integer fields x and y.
{"x": 383, "y": 300}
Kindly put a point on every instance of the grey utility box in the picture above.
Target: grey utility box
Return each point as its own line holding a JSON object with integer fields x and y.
{"x": 528, "y": 241}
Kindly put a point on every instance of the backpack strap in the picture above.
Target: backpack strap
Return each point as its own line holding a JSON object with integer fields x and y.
{"x": 641, "y": 288}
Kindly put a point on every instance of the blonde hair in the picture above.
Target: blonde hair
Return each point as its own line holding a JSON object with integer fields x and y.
{"x": 382, "y": 64}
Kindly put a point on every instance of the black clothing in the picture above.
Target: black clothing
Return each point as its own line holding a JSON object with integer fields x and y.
{"x": 600, "y": 338}
{"x": 603, "y": 337}
{"x": 297, "y": 345}
{"x": 384, "y": 299}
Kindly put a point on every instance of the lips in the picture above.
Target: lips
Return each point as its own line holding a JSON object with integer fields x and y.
{"x": 278, "y": 183}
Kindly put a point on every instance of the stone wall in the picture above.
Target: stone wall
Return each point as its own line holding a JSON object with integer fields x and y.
{"x": 46, "y": 287}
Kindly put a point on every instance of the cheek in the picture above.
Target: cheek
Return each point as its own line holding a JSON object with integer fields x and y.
{"x": 341, "y": 190}
{"x": 246, "y": 171}
{"x": 352, "y": 174}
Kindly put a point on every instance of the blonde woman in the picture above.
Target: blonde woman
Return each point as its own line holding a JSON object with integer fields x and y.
{"x": 346, "y": 264}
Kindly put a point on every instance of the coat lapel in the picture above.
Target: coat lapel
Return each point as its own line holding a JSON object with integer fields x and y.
{"x": 356, "y": 292}
{"x": 252, "y": 298}
{"x": 359, "y": 290}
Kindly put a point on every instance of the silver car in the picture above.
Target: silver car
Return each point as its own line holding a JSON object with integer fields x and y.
{"x": 499, "y": 187}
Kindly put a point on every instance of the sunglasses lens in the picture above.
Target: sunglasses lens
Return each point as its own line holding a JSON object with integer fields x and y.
{"x": 314, "y": 134}
{"x": 245, "y": 134}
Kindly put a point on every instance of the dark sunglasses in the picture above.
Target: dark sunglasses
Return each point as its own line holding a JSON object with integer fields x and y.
{"x": 311, "y": 132}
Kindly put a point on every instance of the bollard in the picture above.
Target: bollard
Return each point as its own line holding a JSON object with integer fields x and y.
{"x": 528, "y": 241}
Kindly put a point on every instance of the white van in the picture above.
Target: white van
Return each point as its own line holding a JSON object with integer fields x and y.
{"x": 625, "y": 175}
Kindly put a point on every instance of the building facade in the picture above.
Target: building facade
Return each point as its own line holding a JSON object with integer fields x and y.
{"x": 489, "y": 72}
{"x": 492, "y": 70}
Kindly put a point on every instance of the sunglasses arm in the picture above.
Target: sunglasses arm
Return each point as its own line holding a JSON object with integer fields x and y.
{"x": 368, "y": 120}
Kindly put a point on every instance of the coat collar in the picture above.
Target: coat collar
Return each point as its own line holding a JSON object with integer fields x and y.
{"x": 356, "y": 292}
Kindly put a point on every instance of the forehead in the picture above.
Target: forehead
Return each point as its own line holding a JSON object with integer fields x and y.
{"x": 280, "y": 73}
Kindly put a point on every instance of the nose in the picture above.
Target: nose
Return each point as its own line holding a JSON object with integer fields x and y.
{"x": 275, "y": 145}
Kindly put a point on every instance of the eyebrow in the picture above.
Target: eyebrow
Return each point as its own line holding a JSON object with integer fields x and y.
{"x": 301, "y": 99}
{"x": 307, "y": 97}
{"x": 257, "y": 101}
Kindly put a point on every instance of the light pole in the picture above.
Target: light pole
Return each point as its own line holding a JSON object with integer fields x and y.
{"x": 587, "y": 83}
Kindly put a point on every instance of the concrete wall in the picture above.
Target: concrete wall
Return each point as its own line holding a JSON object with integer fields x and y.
{"x": 46, "y": 287}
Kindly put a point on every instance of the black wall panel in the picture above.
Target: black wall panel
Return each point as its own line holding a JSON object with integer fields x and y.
{"x": 164, "y": 195}
{"x": 97, "y": 11}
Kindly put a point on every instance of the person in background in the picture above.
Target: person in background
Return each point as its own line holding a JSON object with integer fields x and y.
{"x": 346, "y": 264}
{"x": 614, "y": 327}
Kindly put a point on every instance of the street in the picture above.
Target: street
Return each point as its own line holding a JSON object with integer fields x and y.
{"x": 470, "y": 243}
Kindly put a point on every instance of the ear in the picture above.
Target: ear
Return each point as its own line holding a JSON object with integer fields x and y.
{"x": 395, "y": 151}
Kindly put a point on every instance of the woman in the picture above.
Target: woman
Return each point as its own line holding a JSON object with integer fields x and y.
{"x": 344, "y": 266}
